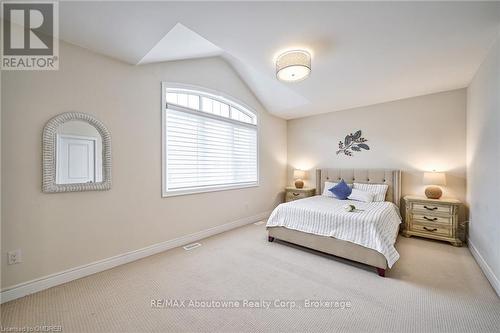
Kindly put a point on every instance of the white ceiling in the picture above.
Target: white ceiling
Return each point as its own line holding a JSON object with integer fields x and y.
{"x": 363, "y": 52}
{"x": 178, "y": 44}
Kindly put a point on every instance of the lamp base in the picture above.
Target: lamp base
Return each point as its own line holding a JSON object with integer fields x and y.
{"x": 433, "y": 192}
{"x": 299, "y": 183}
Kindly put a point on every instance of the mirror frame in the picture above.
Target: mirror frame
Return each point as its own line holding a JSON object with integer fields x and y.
{"x": 49, "y": 155}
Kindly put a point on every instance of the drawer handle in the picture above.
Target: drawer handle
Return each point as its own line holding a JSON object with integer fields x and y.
{"x": 429, "y": 229}
{"x": 430, "y": 208}
{"x": 429, "y": 219}
{"x": 295, "y": 194}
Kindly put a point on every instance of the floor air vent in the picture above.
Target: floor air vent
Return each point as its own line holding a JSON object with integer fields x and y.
{"x": 191, "y": 246}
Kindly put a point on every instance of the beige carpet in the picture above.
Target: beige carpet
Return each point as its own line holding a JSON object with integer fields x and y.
{"x": 434, "y": 287}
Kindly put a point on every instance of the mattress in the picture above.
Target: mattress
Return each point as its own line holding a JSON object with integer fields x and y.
{"x": 372, "y": 225}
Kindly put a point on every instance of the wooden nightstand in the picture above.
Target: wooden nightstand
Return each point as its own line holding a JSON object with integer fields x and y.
{"x": 436, "y": 219}
{"x": 293, "y": 193}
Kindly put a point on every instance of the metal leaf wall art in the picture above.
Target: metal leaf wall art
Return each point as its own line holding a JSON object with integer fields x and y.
{"x": 352, "y": 142}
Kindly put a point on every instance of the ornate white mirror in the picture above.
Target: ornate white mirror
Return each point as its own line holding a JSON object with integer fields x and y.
{"x": 76, "y": 154}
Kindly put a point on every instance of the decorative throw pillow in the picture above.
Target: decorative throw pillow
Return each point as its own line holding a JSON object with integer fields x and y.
{"x": 341, "y": 190}
{"x": 327, "y": 187}
{"x": 379, "y": 190}
{"x": 360, "y": 195}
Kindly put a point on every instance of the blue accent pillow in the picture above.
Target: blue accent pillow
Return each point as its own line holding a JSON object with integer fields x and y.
{"x": 341, "y": 190}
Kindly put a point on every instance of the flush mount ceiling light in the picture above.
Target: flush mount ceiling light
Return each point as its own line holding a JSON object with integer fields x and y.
{"x": 293, "y": 66}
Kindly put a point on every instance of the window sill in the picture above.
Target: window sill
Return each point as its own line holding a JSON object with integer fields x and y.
{"x": 207, "y": 190}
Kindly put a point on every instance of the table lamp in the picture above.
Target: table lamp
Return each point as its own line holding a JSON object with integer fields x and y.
{"x": 434, "y": 179}
{"x": 299, "y": 175}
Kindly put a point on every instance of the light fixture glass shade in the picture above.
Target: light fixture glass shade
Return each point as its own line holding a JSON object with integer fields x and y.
{"x": 299, "y": 174}
{"x": 434, "y": 178}
{"x": 293, "y": 66}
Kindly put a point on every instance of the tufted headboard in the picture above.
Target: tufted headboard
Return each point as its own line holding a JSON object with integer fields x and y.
{"x": 370, "y": 176}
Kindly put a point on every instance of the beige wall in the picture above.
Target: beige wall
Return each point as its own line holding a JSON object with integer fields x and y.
{"x": 61, "y": 231}
{"x": 483, "y": 162}
{"x": 414, "y": 135}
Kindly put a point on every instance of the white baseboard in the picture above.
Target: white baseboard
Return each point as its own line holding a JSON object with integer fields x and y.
{"x": 52, "y": 280}
{"x": 494, "y": 281}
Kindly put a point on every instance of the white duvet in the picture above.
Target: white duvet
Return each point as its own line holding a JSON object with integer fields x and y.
{"x": 373, "y": 225}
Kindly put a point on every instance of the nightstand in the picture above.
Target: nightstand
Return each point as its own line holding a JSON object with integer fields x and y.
{"x": 293, "y": 193}
{"x": 431, "y": 218}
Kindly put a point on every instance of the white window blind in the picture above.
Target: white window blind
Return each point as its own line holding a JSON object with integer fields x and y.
{"x": 207, "y": 151}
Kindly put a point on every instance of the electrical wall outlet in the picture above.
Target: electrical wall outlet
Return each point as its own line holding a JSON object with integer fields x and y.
{"x": 14, "y": 257}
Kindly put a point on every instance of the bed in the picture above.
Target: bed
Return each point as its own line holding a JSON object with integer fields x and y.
{"x": 320, "y": 223}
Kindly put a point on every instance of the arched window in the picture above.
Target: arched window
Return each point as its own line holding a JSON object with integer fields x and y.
{"x": 209, "y": 142}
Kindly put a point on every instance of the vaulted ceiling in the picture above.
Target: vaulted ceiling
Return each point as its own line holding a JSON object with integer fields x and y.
{"x": 362, "y": 52}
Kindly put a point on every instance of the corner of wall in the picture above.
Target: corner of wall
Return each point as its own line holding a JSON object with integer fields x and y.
{"x": 482, "y": 143}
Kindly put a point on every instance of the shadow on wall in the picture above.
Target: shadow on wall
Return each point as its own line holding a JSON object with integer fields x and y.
{"x": 279, "y": 198}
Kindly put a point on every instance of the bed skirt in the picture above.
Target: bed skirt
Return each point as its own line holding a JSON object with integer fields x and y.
{"x": 330, "y": 245}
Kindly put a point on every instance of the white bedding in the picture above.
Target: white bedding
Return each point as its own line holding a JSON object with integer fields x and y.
{"x": 373, "y": 225}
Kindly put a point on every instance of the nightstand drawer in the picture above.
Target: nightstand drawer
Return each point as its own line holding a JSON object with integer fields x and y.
{"x": 420, "y": 217}
{"x": 431, "y": 229}
{"x": 292, "y": 195}
{"x": 433, "y": 208}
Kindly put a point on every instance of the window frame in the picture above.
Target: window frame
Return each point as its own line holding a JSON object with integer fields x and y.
{"x": 218, "y": 96}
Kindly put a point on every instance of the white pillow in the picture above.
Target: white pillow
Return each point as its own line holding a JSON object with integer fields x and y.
{"x": 328, "y": 185}
{"x": 379, "y": 190}
{"x": 360, "y": 195}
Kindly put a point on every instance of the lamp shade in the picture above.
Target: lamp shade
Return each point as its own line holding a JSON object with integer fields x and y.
{"x": 293, "y": 66}
{"x": 434, "y": 178}
{"x": 299, "y": 174}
